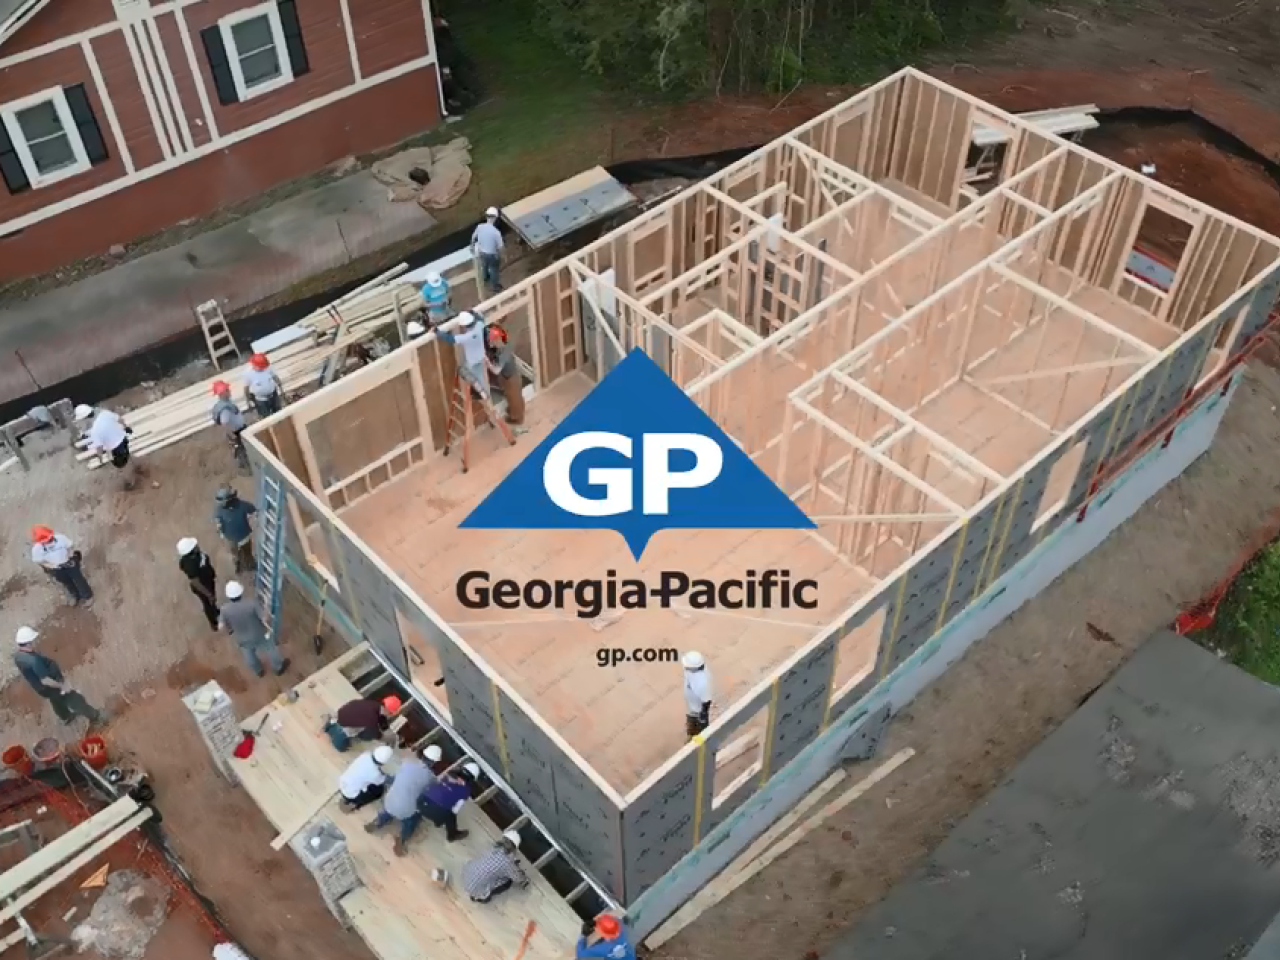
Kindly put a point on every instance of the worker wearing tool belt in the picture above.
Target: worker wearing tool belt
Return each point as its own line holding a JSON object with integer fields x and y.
{"x": 501, "y": 358}
{"x": 262, "y": 388}
{"x": 227, "y": 415}
{"x": 435, "y": 294}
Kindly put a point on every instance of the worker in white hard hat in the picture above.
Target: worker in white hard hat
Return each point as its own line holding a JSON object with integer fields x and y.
{"x": 441, "y": 802}
{"x": 467, "y": 330}
{"x": 413, "y": 329}
{"x": 697, "y": 693}
{"x": 486, "y": 250}
{"x": 365, "y": 780}
{"x": 436, "y": 296}
{"x": 239, "y": 617}
{"x": 47, "y": 680}
{"x": 107, "y": 435}
{"x": 495, "y": 871}
{"x": 201, "y": 577}
{"x": 400, "y": 802}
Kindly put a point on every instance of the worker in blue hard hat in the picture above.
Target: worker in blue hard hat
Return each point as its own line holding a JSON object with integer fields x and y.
{"x": 610, "y": 940}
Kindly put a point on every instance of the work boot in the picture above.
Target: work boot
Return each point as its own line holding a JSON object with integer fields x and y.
{"x": 458, "y": 835}
{"x": 400, "y": 848}
{"x": 283, "y": 667}
{"x": 373, "y": 826}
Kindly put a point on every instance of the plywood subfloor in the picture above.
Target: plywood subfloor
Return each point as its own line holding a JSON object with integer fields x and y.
{"x": 399, "y": 911}
{"x": 626, "y": 719}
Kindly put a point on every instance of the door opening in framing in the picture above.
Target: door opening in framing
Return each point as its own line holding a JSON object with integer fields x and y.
{"x": 424, "y": 665}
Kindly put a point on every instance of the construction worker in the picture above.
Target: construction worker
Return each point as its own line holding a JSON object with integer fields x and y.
{"x": 400, "y": 801}
{"x": 501, "y": 359}
{"x": 612, "y": 943}
{"x": 108, "y": 435}
{"x": 435, "y": 294}
{"x": 697, "y": 693}
{"x": 495, "y": 871}
{"x": 201, "y": 578}
{"x": 413, "y": 329}
{"x": 233, "y": 519}
{"x": 47, "y": 680}
{"x": 227, "y": 415}
{"x": 368, "y": 719}
{"x": 486, "y": 249}
{"x": 365, "y": 779}
{"x": 61, "y": 560}
{"x": 443, "y": 801}
{"x": 239, "y": 617}
{"x": 466, "y": 330}
{"x": 262, "y": 388}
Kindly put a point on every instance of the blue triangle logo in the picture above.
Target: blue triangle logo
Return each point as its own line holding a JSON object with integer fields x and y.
{"x": 636, "y": 455}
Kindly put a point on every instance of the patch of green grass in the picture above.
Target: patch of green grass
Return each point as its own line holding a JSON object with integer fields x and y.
{"x": 1247, "y": 625}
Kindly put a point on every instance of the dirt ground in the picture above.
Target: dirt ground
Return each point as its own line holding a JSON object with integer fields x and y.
{"x": 181, "y": 934}
{"x": 145, "y": 640}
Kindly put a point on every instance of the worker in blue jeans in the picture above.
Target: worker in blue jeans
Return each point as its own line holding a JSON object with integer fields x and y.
{"x": 239, "y": 617}
{"x": 400, "y": 802}
{"x": 612, "y": 943}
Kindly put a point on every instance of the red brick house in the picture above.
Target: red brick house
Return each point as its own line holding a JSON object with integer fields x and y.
{"x": 119, "y": 118}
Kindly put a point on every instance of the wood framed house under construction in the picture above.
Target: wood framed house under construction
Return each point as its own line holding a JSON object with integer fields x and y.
{"x": 966, "y": 391}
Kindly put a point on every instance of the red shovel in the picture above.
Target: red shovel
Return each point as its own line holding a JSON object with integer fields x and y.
{"x": 244, "y": 748}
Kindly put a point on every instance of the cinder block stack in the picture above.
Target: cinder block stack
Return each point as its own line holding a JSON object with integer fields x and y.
{"x": 322, "y": 848}
{"x": 216, "y": 717}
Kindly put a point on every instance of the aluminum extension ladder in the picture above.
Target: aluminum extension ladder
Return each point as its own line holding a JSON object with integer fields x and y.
{"x": 270, "y": 552}
{"x": 461, "y": 421}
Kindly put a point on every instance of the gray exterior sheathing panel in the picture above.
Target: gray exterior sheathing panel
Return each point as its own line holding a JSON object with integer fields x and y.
{"x": 470, "y": 695}
{"x": 569, "y": 213}
{"x": 658, "y": 827}
{"x": 1095, "y": 434}
{"x": 1183, "y": 370}
{"x": 1261, "y": 303}
{"x": 803, "y": 692}
{"x": 582, "y": 818}
{"x": 372, "y": 596}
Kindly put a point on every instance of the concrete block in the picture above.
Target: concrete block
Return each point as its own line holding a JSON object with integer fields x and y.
{"x": 322, "y": 848}
{"x": 215, "y": 716}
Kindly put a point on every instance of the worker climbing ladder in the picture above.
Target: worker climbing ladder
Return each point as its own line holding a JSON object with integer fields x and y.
{"x": 461, "y": 423}
{"x": 270, "y": 552}
{"x": 217, "y": 335}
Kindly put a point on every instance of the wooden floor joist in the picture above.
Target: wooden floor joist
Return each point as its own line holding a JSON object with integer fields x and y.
{"x": 53, "y": 854}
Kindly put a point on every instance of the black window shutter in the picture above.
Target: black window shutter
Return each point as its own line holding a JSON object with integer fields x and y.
{"x": 95, "y": 148}
{"x": 216, "y": 52}
{"x": 293, "y": 37}
{"x": 15, "y": 178}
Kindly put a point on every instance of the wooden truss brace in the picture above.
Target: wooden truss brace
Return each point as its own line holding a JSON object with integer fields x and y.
{"x": 1056, "y": 371}
{"x": 1062, "y": 303}
{"x": 899, "y": 471}
{"x": 850, "y": 274}
{"x": 817, "y": 156}
{"x": 700, "y": 270}
{"x": 937, "y": 439}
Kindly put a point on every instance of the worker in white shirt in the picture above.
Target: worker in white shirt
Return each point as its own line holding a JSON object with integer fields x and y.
{"x": 262, "y": 388}
{"x": 697, "y": 693}
{"x": 59, "y": 558}
{"x": 486, "y": 247}
{"x": 107, "y": 435}
{"x": 466, "y": 330}
{"x": 365, "y": 780}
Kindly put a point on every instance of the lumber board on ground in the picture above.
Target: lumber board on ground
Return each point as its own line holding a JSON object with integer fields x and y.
{"x": 52, "y": 854}
{"x": 767, "y": 851}
{"x": 66, "y": 870}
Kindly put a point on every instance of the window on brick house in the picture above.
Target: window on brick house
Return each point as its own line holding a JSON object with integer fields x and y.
{"x": 256, "y": 52}
{"x": 47, "y": 137}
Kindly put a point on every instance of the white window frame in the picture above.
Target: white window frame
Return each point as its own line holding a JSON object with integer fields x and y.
{"x": 9, "y": 115}
{"x": 272, "y": 13}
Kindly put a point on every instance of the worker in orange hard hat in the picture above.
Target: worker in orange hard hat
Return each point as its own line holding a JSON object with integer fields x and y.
{"x": 262, "y": 388}
{"x": 59, "y": 558}
{"x": 368, "y": 719}
{"x": 611, "y": 940}
{"x": 227, "y": 415}
{"x": 501, "y": 358}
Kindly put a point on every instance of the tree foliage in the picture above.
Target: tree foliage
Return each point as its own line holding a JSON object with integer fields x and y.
{"x": 686, "y": 46}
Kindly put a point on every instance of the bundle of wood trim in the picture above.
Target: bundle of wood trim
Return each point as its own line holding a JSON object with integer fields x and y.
{"x": 356, "y": 316}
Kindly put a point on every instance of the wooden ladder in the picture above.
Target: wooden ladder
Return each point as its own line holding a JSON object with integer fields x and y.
{"x": 461, "y": 421}
{"x": 217, "y": 335}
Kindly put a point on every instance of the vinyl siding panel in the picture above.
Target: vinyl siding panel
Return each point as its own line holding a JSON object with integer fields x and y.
{"x": 124, "y": 86}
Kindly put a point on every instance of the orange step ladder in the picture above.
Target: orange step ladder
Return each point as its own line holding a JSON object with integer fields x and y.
{"x": 461, "y": 422}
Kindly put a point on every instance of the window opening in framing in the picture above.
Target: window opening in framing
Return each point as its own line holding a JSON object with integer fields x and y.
{"x": 740, "y": 758}
{"x": 1062, "y": 477}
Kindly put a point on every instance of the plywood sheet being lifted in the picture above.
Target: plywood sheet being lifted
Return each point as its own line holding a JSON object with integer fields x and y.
{"x": 567, "y": 206}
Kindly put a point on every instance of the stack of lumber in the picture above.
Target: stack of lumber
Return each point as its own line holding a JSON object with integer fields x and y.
{"x": 1060, "y": 121}
{"x": 359, "y": 314}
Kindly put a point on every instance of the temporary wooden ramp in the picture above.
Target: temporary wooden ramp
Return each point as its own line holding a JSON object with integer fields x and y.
{"x": 399, "y": 910}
